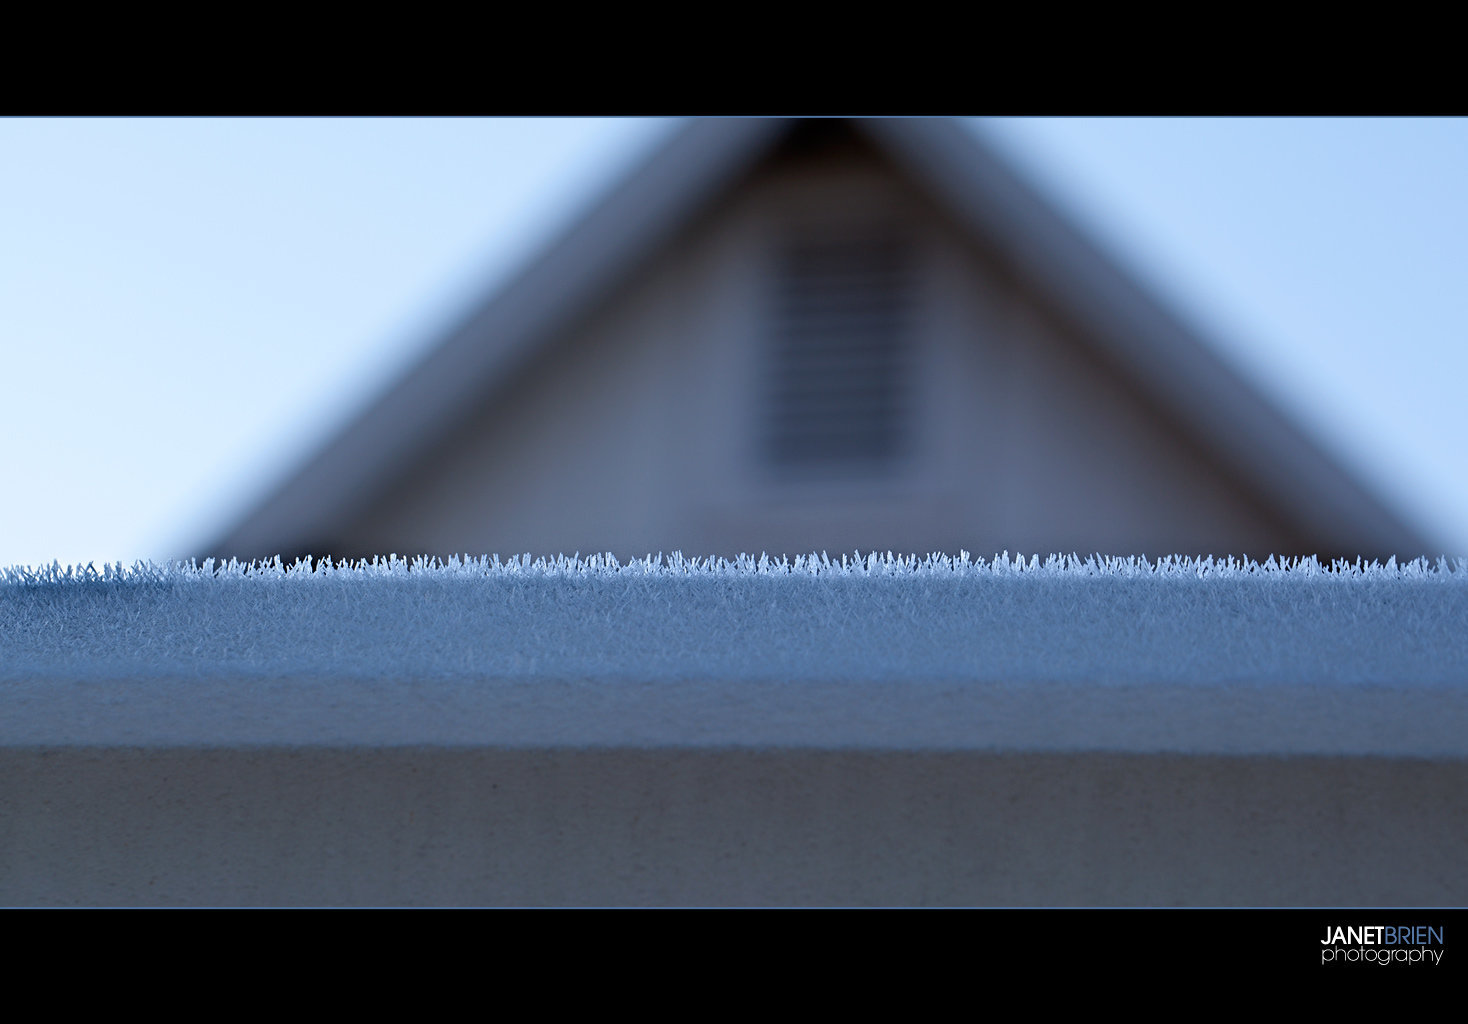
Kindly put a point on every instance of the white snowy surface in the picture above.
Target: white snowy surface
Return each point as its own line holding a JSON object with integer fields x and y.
{"x": 860, "y": 651}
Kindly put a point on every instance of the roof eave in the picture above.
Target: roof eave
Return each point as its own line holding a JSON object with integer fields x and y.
{"x": 1164, "y": 357}
{"x": 589, "y": 260}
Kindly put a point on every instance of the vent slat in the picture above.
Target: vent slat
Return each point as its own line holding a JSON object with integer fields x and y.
{"x": 837, "y": 380}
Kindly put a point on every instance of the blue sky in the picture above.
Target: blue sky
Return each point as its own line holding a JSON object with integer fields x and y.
{"x": 188, "y": 306}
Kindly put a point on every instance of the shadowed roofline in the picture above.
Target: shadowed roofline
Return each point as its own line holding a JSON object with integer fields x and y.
{"x": 1163, "y": 357}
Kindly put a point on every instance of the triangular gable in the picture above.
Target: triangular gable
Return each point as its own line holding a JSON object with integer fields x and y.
{"x": 1152, "y": 348}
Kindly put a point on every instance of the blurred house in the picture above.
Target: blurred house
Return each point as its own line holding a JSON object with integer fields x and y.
{"x": 821, "y": 335}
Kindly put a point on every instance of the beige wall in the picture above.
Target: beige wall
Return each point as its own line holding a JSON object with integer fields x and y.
{"x": 636, "y": 434}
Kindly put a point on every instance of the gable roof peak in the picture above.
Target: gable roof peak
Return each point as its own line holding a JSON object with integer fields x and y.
{"x": 979, "y": 192}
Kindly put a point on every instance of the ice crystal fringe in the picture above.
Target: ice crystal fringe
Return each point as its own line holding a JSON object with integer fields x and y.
{"x": 873, "y": 616}
{"x": 873, "y": 563}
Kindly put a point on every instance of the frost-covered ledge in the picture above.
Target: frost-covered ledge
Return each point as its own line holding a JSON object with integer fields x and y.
{"x": 852, "y": 652}
{"x": 848, "y": 731}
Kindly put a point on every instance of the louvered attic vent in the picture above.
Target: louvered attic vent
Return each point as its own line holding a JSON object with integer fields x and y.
{"x": 837, "y": 386}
